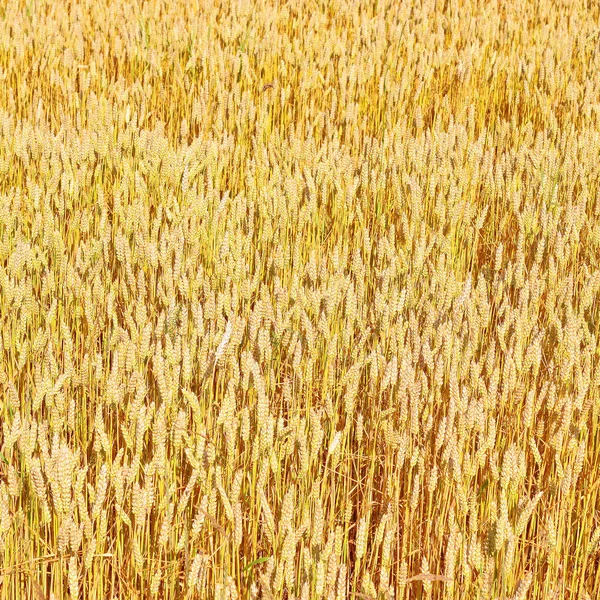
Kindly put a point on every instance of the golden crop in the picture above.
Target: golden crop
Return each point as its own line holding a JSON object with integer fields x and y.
{"x": 300, "y": 300}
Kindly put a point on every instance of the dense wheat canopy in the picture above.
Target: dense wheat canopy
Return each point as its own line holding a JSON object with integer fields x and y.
{"x": 300, "y": 300}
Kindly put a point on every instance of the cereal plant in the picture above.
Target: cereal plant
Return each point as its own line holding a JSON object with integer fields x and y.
{"x": 300, "y": 300}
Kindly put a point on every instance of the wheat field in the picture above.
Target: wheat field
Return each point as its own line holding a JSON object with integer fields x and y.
{"x": 300, "y": 300}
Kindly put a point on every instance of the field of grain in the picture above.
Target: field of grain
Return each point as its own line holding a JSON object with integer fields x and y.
{"x": 300, "y": 300}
